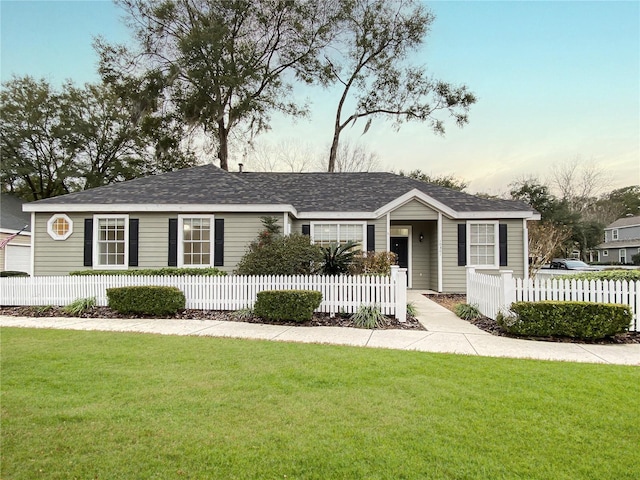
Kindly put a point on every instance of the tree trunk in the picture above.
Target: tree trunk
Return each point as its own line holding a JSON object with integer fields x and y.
{"x": 223, "y": 149}
{"x": 333, "y": 153}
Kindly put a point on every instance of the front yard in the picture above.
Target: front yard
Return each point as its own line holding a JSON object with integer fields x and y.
{"x": 114, "y": 405}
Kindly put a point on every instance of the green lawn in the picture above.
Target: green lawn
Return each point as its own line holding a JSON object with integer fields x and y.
{"x": 93, "y": 405}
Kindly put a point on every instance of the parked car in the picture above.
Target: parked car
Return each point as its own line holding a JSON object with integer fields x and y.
{"x": 570, "y": 264}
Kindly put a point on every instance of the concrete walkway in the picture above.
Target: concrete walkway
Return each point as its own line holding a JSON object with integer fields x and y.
{"x": 445, "y": 333}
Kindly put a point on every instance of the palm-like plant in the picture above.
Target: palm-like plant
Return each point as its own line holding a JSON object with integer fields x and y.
{"x": 338, "y": 257}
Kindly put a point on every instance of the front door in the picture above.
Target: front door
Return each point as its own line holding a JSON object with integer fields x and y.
{"x": 400, "y": 246}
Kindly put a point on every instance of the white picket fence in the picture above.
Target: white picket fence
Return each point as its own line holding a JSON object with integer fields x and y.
{"x": 495, "y": 293}
{"x": 232, "y": 292}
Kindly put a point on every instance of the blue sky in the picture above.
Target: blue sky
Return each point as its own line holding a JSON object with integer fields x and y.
{"x": 555, "y": 81}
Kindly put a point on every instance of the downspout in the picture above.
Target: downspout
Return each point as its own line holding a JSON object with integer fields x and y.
{"x": 439, "y": 252}
{"x": 525, "y": 234}
{"x": 33, "y": 243}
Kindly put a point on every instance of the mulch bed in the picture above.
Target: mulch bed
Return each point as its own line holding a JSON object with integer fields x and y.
{"x": 449, "y": 301}
{"x": 318, "y": 320}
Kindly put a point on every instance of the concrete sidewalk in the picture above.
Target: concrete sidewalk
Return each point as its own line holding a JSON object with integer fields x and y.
{"x": 445, "y": 333}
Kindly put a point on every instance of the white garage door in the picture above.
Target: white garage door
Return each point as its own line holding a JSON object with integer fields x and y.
{"x": 18, "y": 258}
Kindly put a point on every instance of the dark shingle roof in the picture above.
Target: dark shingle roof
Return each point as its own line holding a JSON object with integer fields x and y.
{"x": 625, "y": 222}
{"x": 307, "y": 192}
{"x": 11, "y": 215}
{"x": 206, "y": 184}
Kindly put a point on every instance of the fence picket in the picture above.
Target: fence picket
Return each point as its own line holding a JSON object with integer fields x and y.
{"x": 230, "y": 292}
{"x": 483, "y": 290}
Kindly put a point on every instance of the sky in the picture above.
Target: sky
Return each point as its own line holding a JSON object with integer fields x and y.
{"x": 556, "y": 82}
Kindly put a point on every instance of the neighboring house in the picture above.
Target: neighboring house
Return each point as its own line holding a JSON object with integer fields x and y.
{"x": 16, "y": 254}
{"x": 621, "y": 241}
{"x": 205, "y": 216}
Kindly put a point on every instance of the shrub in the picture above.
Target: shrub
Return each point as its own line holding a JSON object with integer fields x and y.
{"x": 80, "y": 306}
{"x": 146, "y": 300}
{"x": 605, "y": 275}
{"x": 411, "y": 309}
{"x": 467, "y": 311}
{"x": 296, "y": 305}
{"x": 368, "y": 316}
{"x": 635, "y": 259}
{"x": 583, "y": 320}
{"x": 290, "y": 255}
{"x": 372, "y": 263}
{"x": 11, "y": 273}
{"x": 243, "y": 314}
{"x": 163, "y": 272}
{"x": 337, "y": 258}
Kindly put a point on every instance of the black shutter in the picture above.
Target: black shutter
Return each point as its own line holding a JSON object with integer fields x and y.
{"x": 306, "y": 229}
{"x": 173, "y": 242}
{"x": 133, "y": 242}
{"x": 371, "y": 238}
{"x": 218, "y": 247}
{"x": 88, "y": 242}
{"x": 462, "y": 244}
{"x": 502, "y": 236}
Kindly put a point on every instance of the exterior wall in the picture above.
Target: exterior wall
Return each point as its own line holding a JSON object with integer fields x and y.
{"x": 421, "y": 255}
{"x": 414, "y": 210}
{"x": 19, "y": 240}
{"x": 432, "y": 234}
{"x": 454, "y": 276}
{"x": 614, "y": 254}
{"x": 54, "y": 257}
{"x": 381, "y": 233}
{"x": 624, "y": 233}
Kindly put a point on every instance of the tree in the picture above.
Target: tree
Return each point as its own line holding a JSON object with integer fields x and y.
{"x": 369, "y": 62}
{"x": 224, "y": 61}
{"x": 546, "y": 239}
{"x": 58, "y": 141}
{"x": 353, "y": 157}
{"x": 448, "y": 181}
{"x": 36, "y": 161}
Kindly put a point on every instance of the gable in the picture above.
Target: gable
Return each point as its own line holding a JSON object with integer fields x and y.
{"x": 414, "y": 210}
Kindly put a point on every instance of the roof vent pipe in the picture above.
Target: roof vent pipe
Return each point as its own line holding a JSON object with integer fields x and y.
{"x": 240, "y": 165}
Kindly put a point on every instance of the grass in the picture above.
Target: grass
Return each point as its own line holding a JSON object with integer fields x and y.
{"x": 119, "y": 406}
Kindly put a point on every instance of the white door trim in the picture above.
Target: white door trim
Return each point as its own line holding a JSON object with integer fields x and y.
{"x": 409, "y": 250}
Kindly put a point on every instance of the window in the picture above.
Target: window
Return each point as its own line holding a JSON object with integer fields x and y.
{"x": 111, "y": 234}
{"x": 324, "y": 234}
{"x": 614, "y": 234}
{"x": 483, "y": 244}
{"x": 195, "y": 246}
{"x": 623, "y": 256}
{"x": 59, "y": 227}
{"x": 605, "y": 253}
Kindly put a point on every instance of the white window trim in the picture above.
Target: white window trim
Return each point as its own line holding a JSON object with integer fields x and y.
{"x": 496, "y": 251}
{"x": 334, "y": 222}
{"x": 52, "y": 220}
{"x": 96, "y": 253}
{"x": 605, "y": 253}
{"x": 621, "y": 256}
{"x": 614, "y": 234}
{"x": 181, "y": 240}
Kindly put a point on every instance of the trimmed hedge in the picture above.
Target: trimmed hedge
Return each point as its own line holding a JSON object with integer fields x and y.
{"x": 146, "y": 300}
{"x": 604, "y": 275}
{"x": 11, "y": 273}
{"x": 295, "y": 305}
{"x": 583, "y": 320}
{"x": 164, "y": 272}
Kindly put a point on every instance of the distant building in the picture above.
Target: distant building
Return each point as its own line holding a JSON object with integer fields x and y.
{"x": 621, "y": 241}
{"x": 16, "y": 254}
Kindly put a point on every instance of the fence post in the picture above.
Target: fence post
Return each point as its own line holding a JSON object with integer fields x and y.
{"x": 507, "y": 290}
{"x": 470, "y": 291}
{"x": 401, "y": 294}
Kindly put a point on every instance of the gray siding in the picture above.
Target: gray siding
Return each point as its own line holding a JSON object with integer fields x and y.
{"x": 432, "y": 233}
{"x": 454, "y": 276}
{"x": 624, "y": 233}
{"x": 420, "y": 253}
{"x": 61, "y": 257}
{"x": 414, "y": 210}
{"x": 381, "y": 233}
